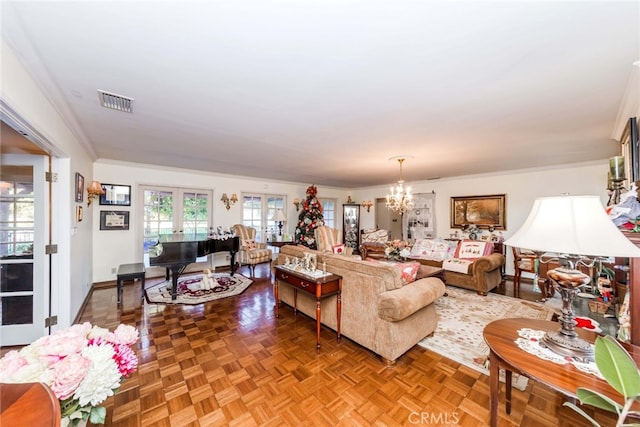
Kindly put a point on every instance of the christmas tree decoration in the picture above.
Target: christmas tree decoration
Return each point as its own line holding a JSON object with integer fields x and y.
{"x": 309, "y": 219}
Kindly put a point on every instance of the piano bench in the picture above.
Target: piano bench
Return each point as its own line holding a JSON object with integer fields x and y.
{"x": 129, "y": 272}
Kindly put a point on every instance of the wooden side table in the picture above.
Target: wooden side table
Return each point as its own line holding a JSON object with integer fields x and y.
{"x": 320, "y": 287}
{"x": 28, "y": 404}
{"x": 500, "y": 336}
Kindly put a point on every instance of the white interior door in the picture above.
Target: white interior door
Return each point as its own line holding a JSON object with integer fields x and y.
{"x": 24, "y": 231}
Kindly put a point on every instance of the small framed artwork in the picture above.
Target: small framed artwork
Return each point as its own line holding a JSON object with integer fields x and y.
{"x": 482, "y": 211}
{"x": 116, "y": 195}
{"x": 79, "y": 187}
{"x": 79, "y": 213}
{"x": 114, "y": 220}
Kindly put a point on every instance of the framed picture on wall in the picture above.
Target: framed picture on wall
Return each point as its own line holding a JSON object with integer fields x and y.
{"x": 79, "y": 187}
{"x": 114, "y": 220}
{"x": 483, "y": 211}
{"x": 116, "y": 195}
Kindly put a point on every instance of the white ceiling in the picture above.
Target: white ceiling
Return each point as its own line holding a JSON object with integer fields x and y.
{"x": 325, "y": 92}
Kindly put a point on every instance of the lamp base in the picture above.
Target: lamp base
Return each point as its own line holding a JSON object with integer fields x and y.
{"x": 569, "y": 346}
{"x": 566, "y": 342}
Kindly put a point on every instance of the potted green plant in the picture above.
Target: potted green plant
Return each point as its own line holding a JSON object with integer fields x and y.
{"x": 621, "y": 372}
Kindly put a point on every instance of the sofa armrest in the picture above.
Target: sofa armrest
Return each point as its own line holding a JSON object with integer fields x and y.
{"x": 401, "y": 303}
{"x": 261, "y": 245}
{"x": 488, "y": 263}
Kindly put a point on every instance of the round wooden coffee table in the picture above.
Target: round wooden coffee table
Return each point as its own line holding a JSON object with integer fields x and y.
{"x": 500, "y": 336}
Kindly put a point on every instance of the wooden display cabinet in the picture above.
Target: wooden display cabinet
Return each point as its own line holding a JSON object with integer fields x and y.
{"x": 351, "y": 226}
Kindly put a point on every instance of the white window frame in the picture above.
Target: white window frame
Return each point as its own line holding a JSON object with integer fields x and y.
{"x": 329, "y": 222}
{"x": 262, "y": 223}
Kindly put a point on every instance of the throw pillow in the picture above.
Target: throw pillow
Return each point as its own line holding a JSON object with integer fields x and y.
{"x": 470, "y": 249}
{"x": 339, "y": 249}
{"x": 408, "y": 271}
{"x": 488, "y": 249}
{"x": 434, "y": 249}
{"x": 249, "y": 244}
{"x": 422, "y": 248}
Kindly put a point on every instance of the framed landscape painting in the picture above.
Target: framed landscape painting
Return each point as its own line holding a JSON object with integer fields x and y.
{"x": 483, "y": 211}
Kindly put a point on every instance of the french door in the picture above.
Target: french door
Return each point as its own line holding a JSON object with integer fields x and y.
{"x": 170, "y": 210}
{"x": 258, "y": 211}
{"x": 24, "y": 231}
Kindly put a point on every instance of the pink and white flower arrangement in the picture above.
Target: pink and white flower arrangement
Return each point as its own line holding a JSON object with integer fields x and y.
{"x": 397, "y": 249}
{"x": 82, "y": 364}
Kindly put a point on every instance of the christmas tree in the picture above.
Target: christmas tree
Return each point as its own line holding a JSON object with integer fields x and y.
{"x": 309, "y": 219}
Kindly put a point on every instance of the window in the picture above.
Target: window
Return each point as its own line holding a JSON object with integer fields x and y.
{"x": 158, "y": 212}
{"x": 195, "y": 212}
{"x": 17, "y": 219}
{"x": 329, "y": 212}
{"x": 257, "y": 211}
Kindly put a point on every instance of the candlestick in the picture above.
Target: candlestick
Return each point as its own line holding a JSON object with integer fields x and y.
{"x": 616, "y": 164}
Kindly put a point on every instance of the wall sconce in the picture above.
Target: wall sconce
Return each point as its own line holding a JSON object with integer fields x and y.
{"x": 229, "y": 201}
{"x": 367, "y": 205}
{"x": 94, "y": 190}
{"x": 296, "y": 202}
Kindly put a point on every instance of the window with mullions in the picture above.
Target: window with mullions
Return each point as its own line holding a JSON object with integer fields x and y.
{"x": 257, "y": 211}
{"x": 16, "y": 217}
{"x": 329, "y": 212}
{"x": 169, "y": 210}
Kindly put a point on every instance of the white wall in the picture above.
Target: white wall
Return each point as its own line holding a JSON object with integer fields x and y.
{"x": 521, "y": 188}
{"x": 112, "y": 248}
{"x": 73, "y": 264}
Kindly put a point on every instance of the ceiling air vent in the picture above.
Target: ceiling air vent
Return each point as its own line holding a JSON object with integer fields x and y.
{"x": 115, "y": 102}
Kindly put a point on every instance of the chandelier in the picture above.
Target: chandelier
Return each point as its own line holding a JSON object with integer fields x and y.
{"x": 399, "y": 199}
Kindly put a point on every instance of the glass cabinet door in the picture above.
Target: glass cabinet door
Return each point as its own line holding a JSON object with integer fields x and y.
{"x": 351, "y": 226}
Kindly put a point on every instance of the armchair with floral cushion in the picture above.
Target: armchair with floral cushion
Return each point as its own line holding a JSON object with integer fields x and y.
{"x": 329, "y": 240}
{"x": 251, "y": 252}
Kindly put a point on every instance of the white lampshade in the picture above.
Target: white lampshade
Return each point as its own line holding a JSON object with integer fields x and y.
{"x": 278, "y": 216}
{"x": 575, "y": 225}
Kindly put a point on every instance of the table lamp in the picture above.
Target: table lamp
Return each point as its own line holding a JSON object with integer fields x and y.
{"x": 279, "y": 217}
{"x": 577, "y": 228}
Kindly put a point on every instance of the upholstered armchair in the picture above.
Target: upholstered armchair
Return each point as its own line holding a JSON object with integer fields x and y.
{"x": 328, "y": 238}
{"x": 251, "y": 252}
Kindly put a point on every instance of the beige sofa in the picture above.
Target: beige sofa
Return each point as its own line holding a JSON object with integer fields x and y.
{"x": 484, "y": 274}
{"x": 468, "y": 264}
{"x": 379, "y": 312}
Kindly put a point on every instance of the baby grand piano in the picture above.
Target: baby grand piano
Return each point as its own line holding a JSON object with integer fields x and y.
{"x": 176, "y": 251}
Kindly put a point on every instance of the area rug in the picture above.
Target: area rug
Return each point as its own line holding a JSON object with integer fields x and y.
{"x": 190, "y": 289}
{"x": 462, "y": 316}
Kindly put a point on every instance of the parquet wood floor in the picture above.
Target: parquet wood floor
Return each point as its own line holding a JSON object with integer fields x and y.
{"x": 231, "y": 362}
